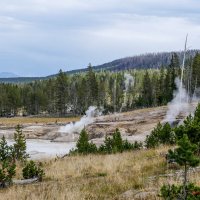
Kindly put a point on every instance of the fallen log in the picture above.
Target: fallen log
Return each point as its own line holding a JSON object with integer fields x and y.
{"x": 25, "y": 181}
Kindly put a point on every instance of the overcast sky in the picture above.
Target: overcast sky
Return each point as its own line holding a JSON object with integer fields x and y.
{"x": 39, "y": 37}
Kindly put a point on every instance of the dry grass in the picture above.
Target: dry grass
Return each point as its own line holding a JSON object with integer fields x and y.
{"x": 36, "y": 120}
{"x": 144, "y": 110}
{"x": 92, "y": 177}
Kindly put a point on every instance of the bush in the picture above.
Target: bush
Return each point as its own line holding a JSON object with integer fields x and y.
{"x": 83, "y": 146}
{"x": 184, "y": 155}
{"x": 7, "y": 165}
{"x": 167, "y": 135}
{"x": 116, "y": 144}
{"x": 111, "y": 145}
{"x": 107, "y": 147}
{"x": 7, "y": 172}
{"x": 162, "y": 134}
{"x": 135, "y": 146}
{"x": 190, "y": 127}
{"x": 174, "y": 192}
{"x": 31, "y": 170}
{"x": 170, "y": 192}
{"x": 6, "y": 152}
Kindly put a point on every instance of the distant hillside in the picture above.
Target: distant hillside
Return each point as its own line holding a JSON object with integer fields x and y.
{"x": 21, "y": 79}
{"x": 8, "y": 75}
{"x": 145, "y": 61}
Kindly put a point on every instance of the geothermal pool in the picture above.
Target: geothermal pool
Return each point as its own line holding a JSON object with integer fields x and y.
{"x": 38, "y": 149}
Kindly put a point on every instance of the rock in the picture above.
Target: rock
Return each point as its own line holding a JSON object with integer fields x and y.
{"x": 138, "y": 195}
{"x": 145, "y": 195}
{"x": 25, "y": 181}
{"x": 128, "y": 195}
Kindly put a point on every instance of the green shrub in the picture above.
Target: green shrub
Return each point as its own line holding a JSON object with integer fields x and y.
{"x": 112, "y": 144}
{"x": 83, "y": 146}
{"x": 184, "y": 155}
{"x": 167, "y": 135}
{"x": 161, "y": 134}
{"x": 197, "y": 114}
{"x": 174, "y": 192}
{"x": 31, "y": 170}
{"x": 137, "y": 145}
{"x": 127, "y": 145}
{"x": 7, "y": 164}
{"x": 116, "y": 144}
{"x": 7, "y": 172}
{"x": 6, "y": 152}
{"x": 170, "y": 192}
{"x": 152, "y": 140}
{"x": 107, "y": 147}
{"x": 190, "y": 127}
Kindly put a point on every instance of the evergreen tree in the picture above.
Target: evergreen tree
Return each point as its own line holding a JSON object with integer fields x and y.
{"x": 147, "y": 95}
{"x": 191, "y": 127}
{"x": 197, "y": 114}
{"x": 161, "y": 88}
{"x": 5, "y": 150}
{"x": 92, "y": 86}
{"x": 196, "y": 72}
{"x": 172, "y": 73}
{"x": 7, "y": 165}
{"x": 152, "y": 140}
{"x": 82, "y": 99}
{"x": 107, "y": 147}
{"x": 168, "y": 91}
{"x": 61, "y": 93}
{"x": 117, "y": 141}
{"x": 185, "y": 156}
{"x": 161, "y": 134}
{"x": 83, "y": 146}
{"x": 32, "y": 170}
{"x": 7, "y": 171}
{"x": 20, "y": 144}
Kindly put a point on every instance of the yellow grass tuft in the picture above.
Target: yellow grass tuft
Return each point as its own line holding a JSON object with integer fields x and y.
{"x": 36, "y": 120}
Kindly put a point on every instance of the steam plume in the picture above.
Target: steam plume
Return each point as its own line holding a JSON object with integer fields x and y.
{"x": 129, "y": 81}
{"x": 87, "y": 119}
{"x": 179, "y": 104}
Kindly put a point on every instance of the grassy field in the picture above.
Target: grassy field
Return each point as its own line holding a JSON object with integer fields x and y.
{"x": 99, "y": 177}
{"x": 93, "y": 177}
{"x": 32, "y": 120}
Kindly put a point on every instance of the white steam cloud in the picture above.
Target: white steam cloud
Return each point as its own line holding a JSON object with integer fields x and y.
{"x": 129, "y": 82}
{"x": 180, "y": 103}
{"x": 87, "y": 119}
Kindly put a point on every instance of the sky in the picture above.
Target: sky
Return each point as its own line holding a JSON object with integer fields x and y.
{"x": 39, "y": 37}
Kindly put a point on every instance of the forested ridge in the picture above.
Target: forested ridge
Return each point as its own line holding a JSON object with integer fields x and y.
{"x": 72, "y": 94}
{"x": 144, "y": 61}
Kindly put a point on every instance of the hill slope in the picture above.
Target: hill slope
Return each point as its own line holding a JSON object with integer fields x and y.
{"x": 145, "y": 61}
{"x": 8, "y": 75}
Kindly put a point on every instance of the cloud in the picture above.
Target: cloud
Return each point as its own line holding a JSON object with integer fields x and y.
{"x": 38, "y": 37}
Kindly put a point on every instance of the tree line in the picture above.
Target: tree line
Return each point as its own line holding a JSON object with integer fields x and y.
{"x": 72, "y": 94}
